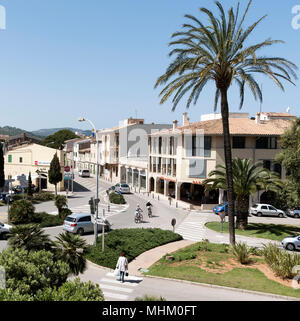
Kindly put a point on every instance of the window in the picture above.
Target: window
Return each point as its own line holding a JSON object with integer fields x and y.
{"x": 264, "y": 207}
{"x": 267, "y": 164}
{"x": 278, "y": 169}
{"x": 159, "y": 145}
{"x": 271, "y": 208}
{"x": 21, "y": 160}
{"x": 9, "y": 158}
{"x": 207, "y": 146}
{"x": 238, "y": 142}
{"x": 85, "y": 219}
{"x": 266, "y": 142}
{"x": 197, "y": 168}
{"x": 195, "y": 146}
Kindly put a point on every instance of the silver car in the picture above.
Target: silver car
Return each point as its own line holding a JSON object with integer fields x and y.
{"x": 84, "y": 173}
{"x": 122, "y": 188}
{"x": 4, "y": 230}
{"x": 80, "y": 223}
{"x": 266, "y": 210}
{"x": 291, "y": 243}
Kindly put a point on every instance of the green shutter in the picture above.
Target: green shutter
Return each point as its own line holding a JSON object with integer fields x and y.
{"x": 9, "y": 158}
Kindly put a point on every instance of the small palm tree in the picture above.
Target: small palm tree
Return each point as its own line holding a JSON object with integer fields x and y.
{"x": 71, "y": 248}
{"x": 31, "y": 237}
{"x": 218, "y": 52}
{"x": 60, "y": 202}
{"x": 248, "y": 179}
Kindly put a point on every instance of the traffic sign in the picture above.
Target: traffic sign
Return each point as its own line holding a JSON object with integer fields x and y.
{"x": 67, "y": 169}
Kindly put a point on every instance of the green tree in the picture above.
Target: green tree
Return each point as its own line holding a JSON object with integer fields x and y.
{"x": 69, "y": 291}
{"x": 60, "y": 202}
{"x": 29, "y": 189}
{"x": 54, "y": 173}
{"x": 21, "y": 212}
{"x": 218, "y": 52}
{"x": 31, "y": 237}
{"x": 289, "y": 156}
{"x": 2, "y": 175}
{"x": 72, "y": 249}
{"x": 31, "y": 271}
{"x": 248, "y": 179}
{"x": 58, "y": 139}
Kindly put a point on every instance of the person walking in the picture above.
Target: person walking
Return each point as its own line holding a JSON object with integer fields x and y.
{"x": 122, "y": 265}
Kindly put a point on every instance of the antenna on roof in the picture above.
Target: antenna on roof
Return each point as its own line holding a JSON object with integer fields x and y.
{"x": 288, "y": 110}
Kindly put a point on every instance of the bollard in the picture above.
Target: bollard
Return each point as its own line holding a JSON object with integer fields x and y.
{"x": 176, "y": 204}
{"x": 158, "y": 197}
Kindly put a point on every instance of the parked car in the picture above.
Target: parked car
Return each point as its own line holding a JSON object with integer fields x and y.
{"x": 221, "y": 207}
{"x": 4, "y": 197}
{"x": 84, "y": 173}
{"x": 4, "y": 230}
{"x": 266, "y": 210}
{"x": 294, "y": 212}
{"x": 80, "y": 223}
{"x": 122, "y": 187}
{"x": 291, "y": 243}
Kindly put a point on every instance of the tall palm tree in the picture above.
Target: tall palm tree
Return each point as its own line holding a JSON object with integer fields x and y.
{"x": 217, "y": 52}
{"x": 248, "y": 179}
{"x": 31, "y": 237}
{"x": 71, "y": 248}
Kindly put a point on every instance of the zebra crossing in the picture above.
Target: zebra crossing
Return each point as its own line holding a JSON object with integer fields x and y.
{"x": 193, "y": 227}
{"x": 114, "y": 290}
{"x": 107, "y": 209}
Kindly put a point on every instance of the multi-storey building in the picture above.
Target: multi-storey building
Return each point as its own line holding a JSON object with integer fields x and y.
{"x": 182, "y": 157}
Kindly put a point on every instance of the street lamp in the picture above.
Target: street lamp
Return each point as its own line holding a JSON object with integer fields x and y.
{"x": 97, "y": 179}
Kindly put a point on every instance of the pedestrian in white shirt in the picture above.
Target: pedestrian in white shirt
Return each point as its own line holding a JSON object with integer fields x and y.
{"x": 122, "y": 265}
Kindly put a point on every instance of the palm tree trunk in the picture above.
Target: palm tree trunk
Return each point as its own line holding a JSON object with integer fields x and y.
{"x": 228, "y": 163}
{"x": 242, "y": 206}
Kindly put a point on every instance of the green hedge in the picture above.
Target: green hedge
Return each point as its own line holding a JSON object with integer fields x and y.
{"x": 43, "y": 197}
{"x": 47, "y": 220}
{"x": 133, "y": 241}
{"x": 116, "y": 198}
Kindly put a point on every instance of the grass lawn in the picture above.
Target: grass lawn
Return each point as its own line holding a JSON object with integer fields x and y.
{"x": 274, "y": 232}
{"x": 133, "y": 241}
{"x": 214, "y": 264}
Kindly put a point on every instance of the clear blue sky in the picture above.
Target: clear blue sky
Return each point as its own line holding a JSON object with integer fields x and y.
{"x": 61, "y": 59}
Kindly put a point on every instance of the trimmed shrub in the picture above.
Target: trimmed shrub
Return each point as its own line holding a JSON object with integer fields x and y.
{"x": 116, "y": 198}
{"x": 280, "y": 261}
{"x": 46, "y": 220}
{"x": 21, "y": 212}
{"x": 241, "y": 252}
{"x": 69, "y": 291}
{"x": 43, "y": 197}
{"x": 133, "y": 241}
{"x": 30, "y": 271}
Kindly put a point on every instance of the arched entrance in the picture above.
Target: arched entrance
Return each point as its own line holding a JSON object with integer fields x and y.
{"x": 268, "y": 198}
{"x": 160, "y": 186}
{"x": 151, "y": 184}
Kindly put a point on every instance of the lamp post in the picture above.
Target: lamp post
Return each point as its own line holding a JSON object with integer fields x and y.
{"x": 97, "y": 179}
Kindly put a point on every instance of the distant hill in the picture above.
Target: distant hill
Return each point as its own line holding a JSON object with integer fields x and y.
{"x": 49, "y": 131}
{"x": 11, "y": 131}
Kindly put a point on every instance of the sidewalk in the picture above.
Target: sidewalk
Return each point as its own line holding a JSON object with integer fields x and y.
{"x": 146, "y": 259}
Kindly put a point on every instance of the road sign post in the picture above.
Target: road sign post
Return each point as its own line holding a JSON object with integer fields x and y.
{"x": 222, "y": 217}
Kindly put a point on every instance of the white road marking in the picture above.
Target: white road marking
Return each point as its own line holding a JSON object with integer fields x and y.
{"x": 115, "y": 288}
{"x": 115, "y": 295}
{"x": 117, "y": 282}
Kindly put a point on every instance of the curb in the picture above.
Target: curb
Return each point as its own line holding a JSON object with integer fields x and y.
{"x": 224, "y": 288}
{"x": 277, "y": 296}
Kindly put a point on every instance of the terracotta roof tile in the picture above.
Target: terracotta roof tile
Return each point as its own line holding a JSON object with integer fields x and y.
{"x": 237, "y": 126}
